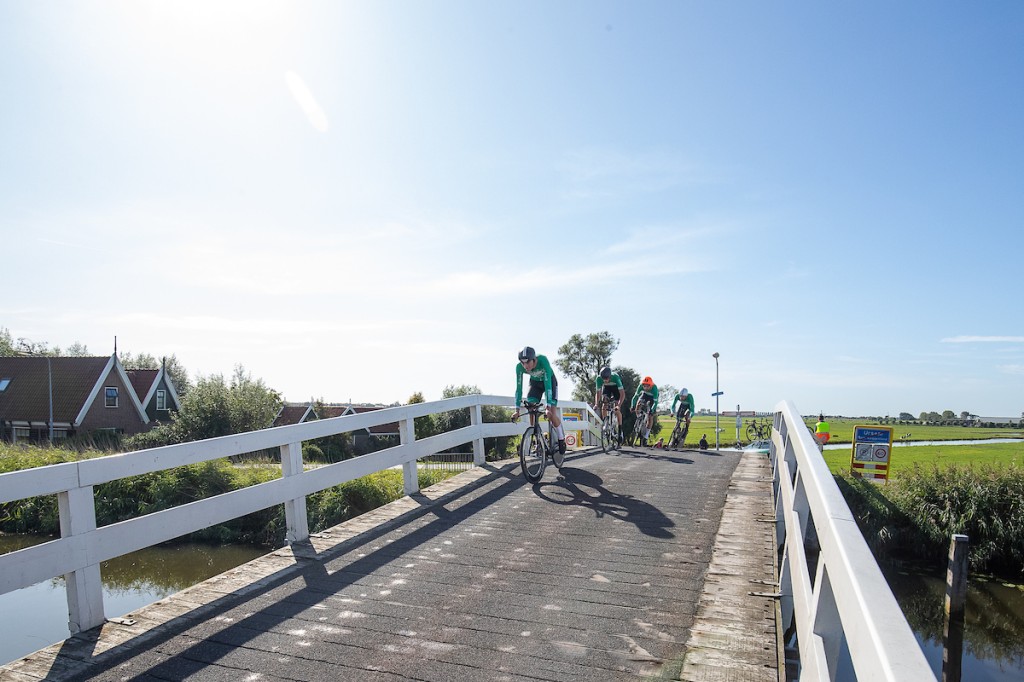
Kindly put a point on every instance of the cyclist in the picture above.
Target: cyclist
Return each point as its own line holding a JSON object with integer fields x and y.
{"x": 542, "y": 383}
{"x": 684, "y": 399}
{"x": 822, "y": 432}
{"x": 609, "y": 384}
{"x": 648, "y": 392}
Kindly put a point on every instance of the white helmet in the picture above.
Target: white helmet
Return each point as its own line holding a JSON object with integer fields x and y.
{"x": 683, "y": 393}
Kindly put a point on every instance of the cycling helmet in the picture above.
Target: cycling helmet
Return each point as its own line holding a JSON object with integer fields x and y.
{"x": 683, "y": 393}
{"x": 648, "y": 381}
{"x": 606, "y": 373}
{"x": 527, "y": 353}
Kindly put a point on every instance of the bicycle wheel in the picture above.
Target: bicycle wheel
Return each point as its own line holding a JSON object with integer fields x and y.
{"x": 531, "y": 454}
{"x": 675, "y": 440}
{"x": 607, "y": 435}
{"x": 751, "y": 433}
{"x": 557, "y": 458}
{"x": 682, "y": 435}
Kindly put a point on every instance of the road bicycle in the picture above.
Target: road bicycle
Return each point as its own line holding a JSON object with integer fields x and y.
{"x": 759, "y": 429}
{"x": 610, "y": 437}
{"x": 679, "y": 432}
{"x": 636, "y": 437}
{"x": 536, "y": 446}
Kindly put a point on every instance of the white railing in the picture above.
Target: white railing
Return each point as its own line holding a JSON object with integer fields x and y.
{"x": 848, "y": 624}
{"x": 82, "y": 546}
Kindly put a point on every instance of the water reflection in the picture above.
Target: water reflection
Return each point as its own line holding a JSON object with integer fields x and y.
{"x": 993, "y": 631}
{"x": 129, "y": 582}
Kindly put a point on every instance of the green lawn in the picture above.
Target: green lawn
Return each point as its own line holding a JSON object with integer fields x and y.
{"x": 906, "y": 457}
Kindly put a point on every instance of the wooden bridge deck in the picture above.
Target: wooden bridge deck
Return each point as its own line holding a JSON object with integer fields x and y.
{"x": 634, "y": 564}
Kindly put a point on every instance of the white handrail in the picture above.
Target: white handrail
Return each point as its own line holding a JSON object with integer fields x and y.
{"x": 82, "y": 546}
{"x": 848, "y": 624}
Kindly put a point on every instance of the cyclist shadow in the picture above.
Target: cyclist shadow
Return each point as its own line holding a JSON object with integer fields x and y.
{"x": 659, "y": 454}
{"x": 582, "y": 488}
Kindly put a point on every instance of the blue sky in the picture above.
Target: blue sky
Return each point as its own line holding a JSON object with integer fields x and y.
{"x": 361, "y": 200}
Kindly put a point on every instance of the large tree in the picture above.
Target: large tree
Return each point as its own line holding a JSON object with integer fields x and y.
{"x": 581, "y": 359}
{"x": 215, "y": 408}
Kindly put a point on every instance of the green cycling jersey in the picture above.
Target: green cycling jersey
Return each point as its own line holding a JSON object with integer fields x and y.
{"x": 615, "y": 380}
{"x": 541, "y": 372}
{"x": 688, "y": 400}
{"x": 652, "y": 391}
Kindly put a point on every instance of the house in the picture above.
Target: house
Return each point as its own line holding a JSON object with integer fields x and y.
{"x": 362, "y": 438}
{"x": 156, "y": 392}
{"x": 295, "y": 413}
{"x": 77, "y": 396}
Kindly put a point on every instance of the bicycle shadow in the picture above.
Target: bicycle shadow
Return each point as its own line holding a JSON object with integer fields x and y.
{"x": 582, "y": 488}
{"x": 658, "y": 454}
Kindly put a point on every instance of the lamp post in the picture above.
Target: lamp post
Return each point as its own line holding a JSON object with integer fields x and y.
{"x": 717, "y": 394}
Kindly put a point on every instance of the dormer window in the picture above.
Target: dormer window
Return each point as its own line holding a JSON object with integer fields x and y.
{"x": 4, "y": 383}
{"x": 110, "y": 396}
{"x": 161, "y": 400}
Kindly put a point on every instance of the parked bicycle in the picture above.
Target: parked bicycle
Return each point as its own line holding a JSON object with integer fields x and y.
{"x": 759, "y": 429}
{"x": 636, "y": 436}
{"x": 682, "y": 428}
{"x": 536, "y": 446}
{"x": 610, "y": 436}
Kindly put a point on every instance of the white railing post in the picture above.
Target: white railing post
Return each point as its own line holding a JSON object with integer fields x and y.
{"x": 77, "y": 509}
{"x": 294, "y": 510}
{"x": 410, "y": 476}
{"x": 476, "y": 418}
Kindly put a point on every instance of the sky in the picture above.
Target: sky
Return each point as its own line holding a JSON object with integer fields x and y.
{"x": 361, "y": 200}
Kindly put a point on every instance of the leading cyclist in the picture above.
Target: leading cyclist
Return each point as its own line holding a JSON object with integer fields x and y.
{"x": 648, "y": 392}
{"x": 609, "y": 384}
{"x": 542, "y": 383}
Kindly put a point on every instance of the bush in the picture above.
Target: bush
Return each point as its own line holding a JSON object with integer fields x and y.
{"x": 917, "y": 513}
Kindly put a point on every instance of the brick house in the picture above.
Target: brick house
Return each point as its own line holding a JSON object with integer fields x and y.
{"x": 156, "y": 392}
{"x": 295, "y": 413}
{"x": 84, "y": 395}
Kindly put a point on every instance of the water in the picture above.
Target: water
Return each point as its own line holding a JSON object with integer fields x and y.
{"x": 993, "y": 631}
{"x": 129, "y": 582}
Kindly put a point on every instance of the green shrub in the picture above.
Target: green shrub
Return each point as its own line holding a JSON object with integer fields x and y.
{"x": 916, "y": 514}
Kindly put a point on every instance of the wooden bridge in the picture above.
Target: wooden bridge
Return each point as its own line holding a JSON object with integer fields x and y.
{"x": 625, "y": 565}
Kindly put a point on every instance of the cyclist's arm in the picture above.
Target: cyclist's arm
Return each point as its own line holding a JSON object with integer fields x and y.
{"x": 675, "y": 403}
{"x": 519, "y": 384}
{"x": 636, "y": 397}
{"x": 689, "y": 402}
{"x": 654, "y": 394}
{"x": 542, "y": 361}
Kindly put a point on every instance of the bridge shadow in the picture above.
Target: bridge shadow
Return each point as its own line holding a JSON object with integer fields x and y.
{"x": 78, "y": 652}
{"x": 582, "y": 488}
{"x": 657, "y": 454}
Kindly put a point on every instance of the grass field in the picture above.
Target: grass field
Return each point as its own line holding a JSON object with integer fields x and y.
{"x": 842, "y": 431}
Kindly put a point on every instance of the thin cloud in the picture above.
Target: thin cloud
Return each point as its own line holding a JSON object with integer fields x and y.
{"x": 1011, "y": 369}
{"x": 304, "y": 98}
{"x": 984, "y": 339}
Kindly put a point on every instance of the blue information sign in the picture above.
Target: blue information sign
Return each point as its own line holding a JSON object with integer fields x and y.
{"x": 865, "y": 434}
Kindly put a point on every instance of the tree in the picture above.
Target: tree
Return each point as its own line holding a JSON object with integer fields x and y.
{"x": 77, "y": 350}
{"x": 965, "y": 415}
{"x": 456, "y": 419}
{"x": 666, "y": 394}
{"x": 948, "y": 414}
{"x": 423, "y": 426}
{"x": 581, "y": 359}
{"x": 214, "y": 408}
{"x": 906, "y": 417}
{"x": 6, "y": 343}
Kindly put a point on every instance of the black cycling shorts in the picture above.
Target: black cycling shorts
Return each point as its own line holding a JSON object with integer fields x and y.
{"x": 649, "y": 399}
{"x": 611, "y": 392}
{"x": 537, "y": 391}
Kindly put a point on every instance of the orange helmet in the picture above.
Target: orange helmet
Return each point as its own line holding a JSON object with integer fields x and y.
{"x": 648, "y": 381}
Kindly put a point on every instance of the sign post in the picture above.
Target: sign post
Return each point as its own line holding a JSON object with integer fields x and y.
{"x": 872, "y": 447}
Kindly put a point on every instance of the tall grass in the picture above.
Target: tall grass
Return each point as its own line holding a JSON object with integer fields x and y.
{"x": 915, "y": 515}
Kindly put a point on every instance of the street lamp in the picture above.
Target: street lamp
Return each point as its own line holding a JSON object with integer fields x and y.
{"x": 717, "y": 394}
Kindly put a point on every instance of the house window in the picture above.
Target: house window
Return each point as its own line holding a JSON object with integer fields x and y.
{"x": 110, "y": 396}
{"x": 22, "y": 433}
{"x": 60, "y": 433}
{"x": 4, "y": 383}
{"x": 161, "y": 400}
